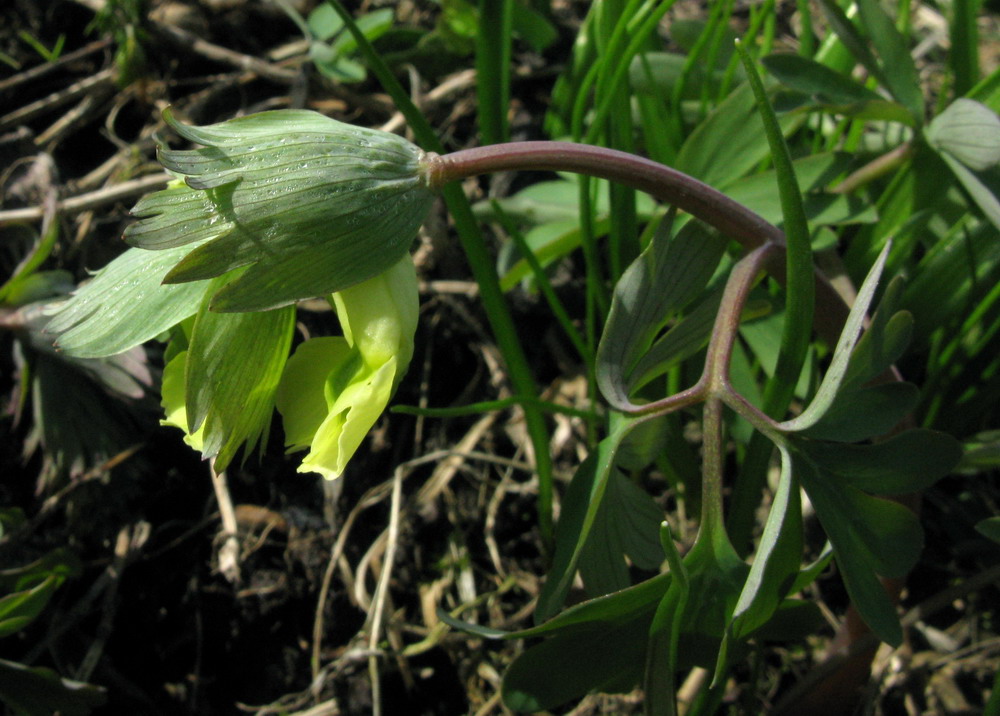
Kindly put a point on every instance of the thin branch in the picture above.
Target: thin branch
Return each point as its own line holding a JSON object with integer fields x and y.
{"x": 661, "y": 182}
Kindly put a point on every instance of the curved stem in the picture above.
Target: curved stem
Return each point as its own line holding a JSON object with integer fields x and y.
{"x": 661, "y": 182}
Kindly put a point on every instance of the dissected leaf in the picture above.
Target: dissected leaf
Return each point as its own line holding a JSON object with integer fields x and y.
{"x": 605, "y": 657}
{"x": 870, "y": 536}
{"x": 668, "y": 275}
{"x": 777, "y": 560}
{"x": 883, "y": 342}
{"x": 597, "y": 644}
{"x": 909, "y": 462}
{"x": 690, "y": 621}
{"x": 865, "y": 413}
{"x": 829, "y": 388}
{"x": 627, "y": 524}
{"x": 579, "y": 510}
{"x": 682, "y": 340}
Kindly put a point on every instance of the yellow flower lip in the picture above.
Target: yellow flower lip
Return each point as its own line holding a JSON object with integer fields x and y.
{"x": 335, "y": 387}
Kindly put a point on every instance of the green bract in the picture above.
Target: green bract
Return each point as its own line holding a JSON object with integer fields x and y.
{"x": 335, "y": 387}
{"x": 310, "y": 205}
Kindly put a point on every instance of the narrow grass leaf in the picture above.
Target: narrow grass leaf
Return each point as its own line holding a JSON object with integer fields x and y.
{"x": 899, "y": 70}
{"x": 816, "y": 80}
{"x": 799, "y": 275}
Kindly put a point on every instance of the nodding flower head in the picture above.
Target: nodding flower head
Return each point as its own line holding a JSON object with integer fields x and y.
{"x": 303, "y": 204}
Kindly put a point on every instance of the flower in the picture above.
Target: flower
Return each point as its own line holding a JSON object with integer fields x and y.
{"x": 335, "y": 387}
{"x": 273, "y": 208}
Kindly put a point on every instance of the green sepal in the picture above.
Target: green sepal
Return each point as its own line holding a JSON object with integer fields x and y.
{"x": 124, "y": 305}
{"x": 310, "y": 204}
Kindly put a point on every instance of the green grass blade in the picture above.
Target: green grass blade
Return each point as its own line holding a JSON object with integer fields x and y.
{"x": 797, "y": 330}
{"x": 964, "y": 54}
{"x": 493, "y": 50}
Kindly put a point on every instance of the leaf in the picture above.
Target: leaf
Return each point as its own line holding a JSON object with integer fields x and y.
{"x": 883, "y": 342}
{"x": 829, "y": 388}
{"x": 909, "y": 462}
{"x": 866, "y": 413}
{"x": 819, "y": 81}
{"x": 681, "y": 341}
{"x": 710, "y": 154}
{"x": 605, "y": 657}
{"x": 869, "y": 536}
{"x": 657, "y": 73}
{"x": 564, "y": 667}
{"x": 579, "y": 510}
{"x": 41, "y": 692}
{"x": 668, "y": 275}
{"x": 627, "y": 524}
{"x": 533, "y": 27}
{"x": 324, "y": 22}
{"x": 776, "y": 563}
{"x": 990, "y": 527}
{"x": 690, "y": 622}
{"x": 980, "y": 187}
{"x": 759, "y": 192}
{"x": 19, "y": 609}
{"x": 124, "y": 305}
{"x": 968, "y": 131}
{"x": 899, "y": 73}
{"x": 373, "y": 25}
{"x": 896, "y": 72}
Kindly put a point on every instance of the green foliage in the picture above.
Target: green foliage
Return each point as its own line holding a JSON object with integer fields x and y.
{"x": 281, "y": 206}
{"x": 26, "y": 592}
